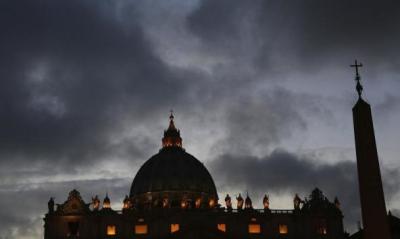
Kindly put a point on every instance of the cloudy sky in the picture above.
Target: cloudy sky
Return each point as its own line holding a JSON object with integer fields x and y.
{"x": 262, "y": 92}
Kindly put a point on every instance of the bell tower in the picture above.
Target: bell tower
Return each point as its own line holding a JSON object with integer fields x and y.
{"x": 372, "y": 198}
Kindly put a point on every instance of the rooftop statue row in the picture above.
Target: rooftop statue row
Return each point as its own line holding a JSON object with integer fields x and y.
{"x": 75, "y": 204}
{"x": 315, "y": 201}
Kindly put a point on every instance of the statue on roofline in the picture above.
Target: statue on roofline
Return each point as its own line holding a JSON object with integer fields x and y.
{"x": 266, "y": 202}
{"x": 228, "y": 202}
{"x": 239, "y": 202}
{"x": 50, "y": 205}
{"x": 96, "y": 203}
{"x": 297, "y": 201}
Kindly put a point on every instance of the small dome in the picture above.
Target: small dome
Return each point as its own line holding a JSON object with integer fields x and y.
{"x": 172, "y": 174}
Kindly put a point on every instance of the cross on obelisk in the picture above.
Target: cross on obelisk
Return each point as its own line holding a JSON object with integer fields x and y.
{"x": 359, "y": 87}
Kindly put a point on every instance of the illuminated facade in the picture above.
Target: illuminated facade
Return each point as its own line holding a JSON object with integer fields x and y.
{"x": 174, "y": 196}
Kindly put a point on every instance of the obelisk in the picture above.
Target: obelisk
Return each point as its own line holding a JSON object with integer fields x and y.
{"x": 373, "y": 208}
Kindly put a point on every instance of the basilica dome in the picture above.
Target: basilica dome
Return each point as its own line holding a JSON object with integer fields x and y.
{"x": 173, "y": 177}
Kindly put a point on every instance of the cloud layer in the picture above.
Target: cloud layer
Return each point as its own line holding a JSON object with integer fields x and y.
{"x": 282, "y": 174}
{"x": 261, "y": 90}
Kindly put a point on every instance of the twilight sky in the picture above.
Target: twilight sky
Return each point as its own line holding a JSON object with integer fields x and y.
{"x": 262, "y": 92}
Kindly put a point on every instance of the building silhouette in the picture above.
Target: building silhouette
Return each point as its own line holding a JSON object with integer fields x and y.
{"x": 174, "y": 196}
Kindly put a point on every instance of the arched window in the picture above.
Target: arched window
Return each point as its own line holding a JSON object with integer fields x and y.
{"x": 283, "y": 229}
{"x": 321, "y": 227}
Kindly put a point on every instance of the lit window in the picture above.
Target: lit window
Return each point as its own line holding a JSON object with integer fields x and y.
{"x": 283, "y": 229}
{"x": 174, "y": 228}
{"x": 321, "y": 227}
{"x": 111, "y": 230}
{"x": 254, "y": 228}
{"x": 140, "y": 229}
{"x": 322, "y": 230}
{"x": 184, "y": 204}
{"x": 198, "y": 203}
{"x": 221, "y": 227}
{"x": 211, "y": 203}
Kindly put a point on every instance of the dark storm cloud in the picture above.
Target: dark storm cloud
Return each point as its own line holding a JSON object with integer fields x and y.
{"x": 344, "y": 25}
{"x": 262, "y": 121}
{"x": 286, "y": 172}
{"x": 390, "y": 104}
{"x": 76, "y": 75}
{"x": 71, "y": 75}
{"x": 221, "y": 20}
{"x": 68, "y": 71}
{"x": 302, "y": 36}
{"x": 301, "y": 32}
{"x": 282, "y": 172}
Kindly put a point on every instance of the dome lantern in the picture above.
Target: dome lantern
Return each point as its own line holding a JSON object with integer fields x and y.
{"x": 172, "y": 136}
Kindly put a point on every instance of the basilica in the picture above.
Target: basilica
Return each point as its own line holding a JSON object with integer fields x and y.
{"x": 174, "y": 196}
